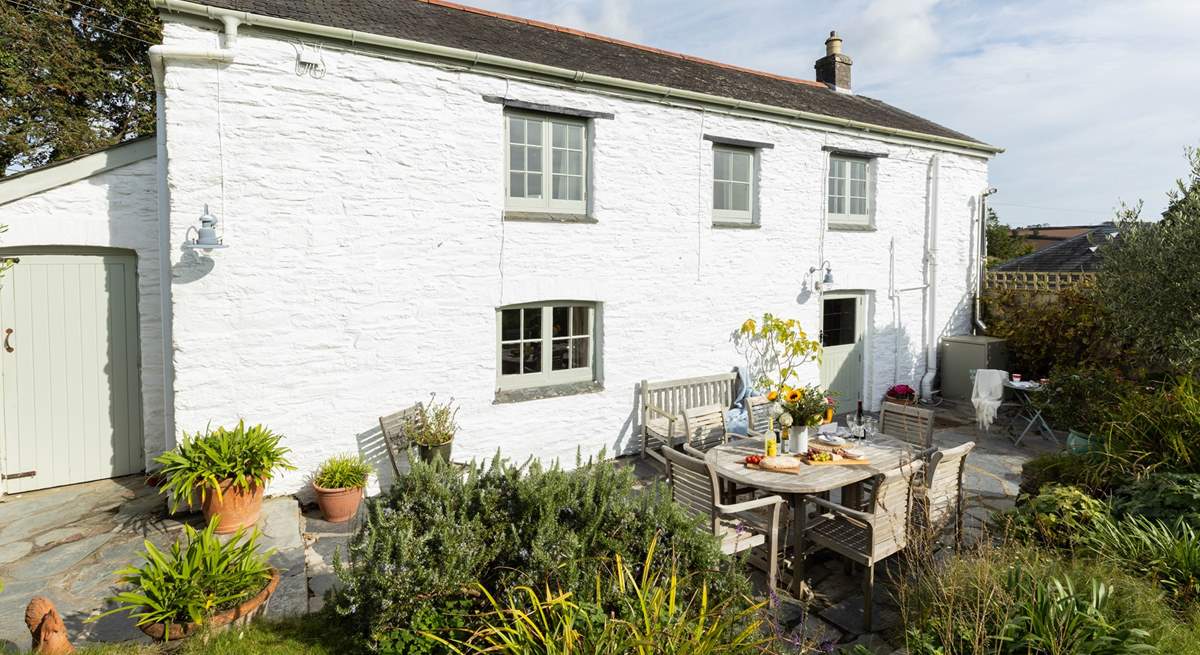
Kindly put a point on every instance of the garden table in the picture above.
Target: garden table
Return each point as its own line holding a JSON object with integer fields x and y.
{"x": 728, "y": 460}
{"x": 1023, "y": 391}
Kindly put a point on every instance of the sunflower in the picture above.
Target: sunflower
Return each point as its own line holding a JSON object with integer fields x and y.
{"x": 773, "y": 396}
{"x": 793, "y": 395}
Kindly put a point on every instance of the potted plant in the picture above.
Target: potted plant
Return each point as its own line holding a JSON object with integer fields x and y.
{"x": 339, "y": 484}
{"x": 203, "y": 582}
{"x": 800, "y": 409}
{"x": 229, "y": 468}
{"x": 901, "y": 394}
{"x": 432, "y": 429}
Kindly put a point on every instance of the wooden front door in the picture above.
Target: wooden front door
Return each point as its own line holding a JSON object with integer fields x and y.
{"x": 843, "y": 317}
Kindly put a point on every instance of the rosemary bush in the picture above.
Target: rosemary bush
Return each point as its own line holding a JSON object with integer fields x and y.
{"x": 441, "y": 533}
{"x": 343, "y": 472}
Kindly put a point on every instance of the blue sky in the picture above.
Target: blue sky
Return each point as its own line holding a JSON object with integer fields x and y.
{"x": 1094, "y": 101}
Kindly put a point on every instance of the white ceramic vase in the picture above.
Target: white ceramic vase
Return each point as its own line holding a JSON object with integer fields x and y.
{"x": 799, "y": 439}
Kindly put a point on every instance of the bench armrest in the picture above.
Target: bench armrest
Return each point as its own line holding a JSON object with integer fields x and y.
{"x": 840, "y": 510}
{"x": 745, "y": 505}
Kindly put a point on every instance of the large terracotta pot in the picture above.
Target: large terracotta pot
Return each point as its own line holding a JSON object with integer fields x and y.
{"x": 240, "y": 615}
{"x": 339, "y": 505}
{"x": 237, "y": 507}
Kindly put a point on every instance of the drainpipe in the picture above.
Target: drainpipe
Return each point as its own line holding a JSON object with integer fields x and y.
{"x": 931, "y": 336}
{"x": 982, "y": 259}
{"x": 158, "y": 56}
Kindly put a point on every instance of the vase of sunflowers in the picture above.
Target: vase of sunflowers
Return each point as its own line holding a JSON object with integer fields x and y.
{"x": 799, "y": 409}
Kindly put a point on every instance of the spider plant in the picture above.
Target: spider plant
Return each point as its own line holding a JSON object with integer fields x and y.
{"x": 245, "y": 456}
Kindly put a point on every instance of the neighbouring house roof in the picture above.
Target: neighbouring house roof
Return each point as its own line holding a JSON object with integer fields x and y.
{"x": 1044, "y": 237}
{"x": 466, "y": 28}
{"x": 1080, "y": 253}
{"x": 55, "y": 174}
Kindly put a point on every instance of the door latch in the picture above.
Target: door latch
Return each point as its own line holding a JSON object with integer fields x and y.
{"x": 15, "y": 476}
{"x": 8, "y": 345}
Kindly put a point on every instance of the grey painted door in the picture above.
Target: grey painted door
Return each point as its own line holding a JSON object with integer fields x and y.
{"x": 71, "y": 401}
{"x": 842, "y": 320}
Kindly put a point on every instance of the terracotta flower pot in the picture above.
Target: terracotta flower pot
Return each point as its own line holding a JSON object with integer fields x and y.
{"x": 239, "y": 615}
{"x": 237, "y": 507}
{"x": 339, "y": 505}
{"x": 901, "y": 400}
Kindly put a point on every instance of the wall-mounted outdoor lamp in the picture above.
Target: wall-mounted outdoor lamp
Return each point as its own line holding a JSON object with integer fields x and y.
{"x": 206, "y": 235}
{"x": 825, "y": 281}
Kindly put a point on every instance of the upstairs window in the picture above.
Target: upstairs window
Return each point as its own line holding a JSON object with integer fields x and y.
{"x": 546, "y": 344}
{"x": 849, "y": 191}
{"x": 547, "y": 163}
{"x": 733, "y": 184}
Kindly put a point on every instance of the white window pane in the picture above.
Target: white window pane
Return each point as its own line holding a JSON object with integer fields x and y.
{"x": 579, "y": 353}
{"x": 575, "y": 189}
{"x": 837, "y": 205}
{"x": 516, "y": 185}
{"x": 832, "y": 204}
{"x": 575, "y": 137}
{"x": 858, "y": 206}
{"x": 575, "y": 163}
{"x": 560, "y": 187}
{"x": 579, "y": 321}
{"x": 720, "y": 195}
{"x": 560, "y": 355}
{"x": 858, "y": 188}
{"x": 560, "y": 135}
{"x": 516, "y": 130}
{"x": 741, "y": 196}
{"x": 510, "y": 359}
{"x": 533, "y": 185}
{"x": 858, "y": 170}
{"x": 740, "y": 167}
{"x": 531, "y": 355}
{"x": 516, "y": 158}
{"x": 559, "y": 164}
{"x": 837, "y": 168}
{"x": 832, "y": 191}
{"x": 510, "y": 325}
{"x": 720, "y": 165}
{"x": 533, "y": 132}
{"x": 534, "y": 159}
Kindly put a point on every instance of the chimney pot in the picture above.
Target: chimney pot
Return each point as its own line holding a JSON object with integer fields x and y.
{"x": 834, "y": 68}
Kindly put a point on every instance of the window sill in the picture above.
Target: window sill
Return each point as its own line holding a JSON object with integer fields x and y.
{"x": 849, "y": 227}
{"x": 505, "y": 396}
{"x": 548, "y": 217}
{"x": 734, "y": 225}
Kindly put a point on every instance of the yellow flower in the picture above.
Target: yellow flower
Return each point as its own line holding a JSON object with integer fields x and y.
{"x": 792, "y": 396}
{"x": 773, "y": 396}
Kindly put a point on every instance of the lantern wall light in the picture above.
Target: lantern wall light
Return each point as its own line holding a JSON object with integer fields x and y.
{"x": 206, "y": 235}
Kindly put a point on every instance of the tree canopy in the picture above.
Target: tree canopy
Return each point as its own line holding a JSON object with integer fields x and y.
{"x": 1002, "y": 243}
{"x": 74, "y": 77}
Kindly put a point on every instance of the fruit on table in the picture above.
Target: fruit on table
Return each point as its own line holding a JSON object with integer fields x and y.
{"x": 815, "y": 455}
{"x": 753, "y": 459}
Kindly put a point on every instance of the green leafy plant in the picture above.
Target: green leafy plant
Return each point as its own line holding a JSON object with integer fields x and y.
{"x": 343, "y": 472}
{"x": 247, "y": 456}
{"x": 1162, "y": 496}
{"x": 1168, "y": 552}
{"x": 433, "y": 424}
{"x": 1057, "y": 516}
{"x": 1156, "y": 429}
{"x": 805, "y": 405}
{"x": 193, "y": 580}
{"x": 776, "y": 348}
{"x": 1083, "y": 397}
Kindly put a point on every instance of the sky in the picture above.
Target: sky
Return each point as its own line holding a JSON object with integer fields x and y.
{"x": 1094, "y": 101}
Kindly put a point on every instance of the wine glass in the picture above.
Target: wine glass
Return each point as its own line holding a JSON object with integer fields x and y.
{"x": 869, "y": 428}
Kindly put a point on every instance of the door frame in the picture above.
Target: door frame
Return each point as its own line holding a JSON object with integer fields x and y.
{"x": 864, "y": 318}
{"x": 34, "y": 250}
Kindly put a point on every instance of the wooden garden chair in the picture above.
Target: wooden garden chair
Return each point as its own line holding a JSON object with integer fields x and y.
{"x": 941, "y": 500}
{"x": 663, "y": 402}
{"x": 758, "y": 412}
{"x": 868, "y": 537}
{"x": 907, "y": 423}
{"x": 395, "y": 436}
{"x": 705, "y": 427}
{"x": 751, "y": 525}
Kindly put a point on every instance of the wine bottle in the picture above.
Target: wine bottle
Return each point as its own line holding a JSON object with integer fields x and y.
{"x": 858, "y": 422}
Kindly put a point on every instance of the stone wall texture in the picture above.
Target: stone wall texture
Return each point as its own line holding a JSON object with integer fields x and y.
{"x": 117, "y": 208}
{"x": 368, "y": 254}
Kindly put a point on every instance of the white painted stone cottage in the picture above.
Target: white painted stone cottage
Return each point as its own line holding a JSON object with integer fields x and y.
{"x": 421, "y": 197}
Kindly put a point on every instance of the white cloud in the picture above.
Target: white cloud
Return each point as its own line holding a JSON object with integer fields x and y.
{"x": 1094, "y": 100}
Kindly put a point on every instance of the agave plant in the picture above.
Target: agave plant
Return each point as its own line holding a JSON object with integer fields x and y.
{"x": 245, "y": 456}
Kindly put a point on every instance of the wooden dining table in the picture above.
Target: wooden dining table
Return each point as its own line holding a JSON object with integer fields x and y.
{"x": 883, "y": 453}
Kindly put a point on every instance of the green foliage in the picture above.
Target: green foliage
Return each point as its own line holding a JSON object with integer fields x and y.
{"x": 312, "y": 634}
{"x": 194, "y": 580}
{"x": 440, "y": 532}
{"x": 776, "y": 348}
{"x": 1058, "y": 516}
{"x": 1093, "y": 471}
{"x": 1083, "y": 397}
{"x": 806, "y": 405}
{"x": 1167, "y": 552}
{"x": 74, "y": 76}
{"x": 201, "y": 462}
{"x": 1163, "y": 496}
{"x": 433, "y": 424}
{"x": 1157, "y": 429}
{"x": 1047, "y": 332}
{"x": 1150, "y": 279}
{"x": 1002, "y": 243}
{"x": 661, "y": 620}
{"x": 343, "y": 472}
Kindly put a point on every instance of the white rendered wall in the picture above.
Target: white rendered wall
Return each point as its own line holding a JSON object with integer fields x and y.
{"x": 368, "y": 254}
{"x": 116, "y": 208}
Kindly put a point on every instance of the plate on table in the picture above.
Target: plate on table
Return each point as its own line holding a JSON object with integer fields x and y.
{"x": 831, "y": 439}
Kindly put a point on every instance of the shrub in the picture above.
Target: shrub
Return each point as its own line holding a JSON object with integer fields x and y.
{"x": 201, "y": 462}
{"x": 1093, "y": 471}
{"x": 1157, "y": 429}
{"x": 1169, "y": 553}
{"x": 1045, "y": 332}
{"x": 440, "y": 533}
{"x": 1164, "y": 496}
{"x": 1082, "y": 397}
{"x": 193, "y": 581}
{"x": 1057, "y": 516}
{"x": 434, "y": 423}
{"x": 343, "y": 472}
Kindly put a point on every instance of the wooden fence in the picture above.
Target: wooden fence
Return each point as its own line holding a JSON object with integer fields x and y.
{"x": 1046, "y": 282}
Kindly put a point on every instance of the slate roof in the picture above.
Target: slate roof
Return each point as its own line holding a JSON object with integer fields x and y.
{"x": 443, "y": 23}
{"x": 1071, "y": 255}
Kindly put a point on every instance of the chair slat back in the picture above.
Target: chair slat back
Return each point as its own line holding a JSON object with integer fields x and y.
{"x": 758, "y": 411}
{"x": 705, "y": 426}
{"x": 911, "y": 424}
{"x": 943, "y": 482}
{"x": 394, "y": 429}
{"x": 890, "y": 506}
{"x": 675, "y": 396}
{"x": 692, "y": 484}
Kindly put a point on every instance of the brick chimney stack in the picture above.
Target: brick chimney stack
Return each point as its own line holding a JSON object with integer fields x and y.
{"x": 834, "y": 68}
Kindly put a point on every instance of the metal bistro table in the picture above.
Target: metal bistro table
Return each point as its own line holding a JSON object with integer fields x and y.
{"x": 884, "y": 454}
{"x": 1029, "y": 411}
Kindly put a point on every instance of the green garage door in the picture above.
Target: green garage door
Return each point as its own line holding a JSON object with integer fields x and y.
{"x": 69, "y": 383}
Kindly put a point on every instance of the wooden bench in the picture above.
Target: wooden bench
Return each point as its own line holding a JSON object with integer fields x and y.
{"x": 664, "y": 402}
